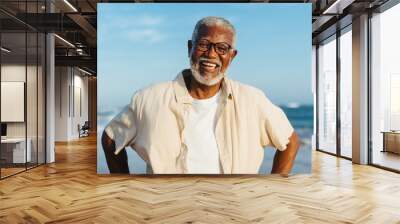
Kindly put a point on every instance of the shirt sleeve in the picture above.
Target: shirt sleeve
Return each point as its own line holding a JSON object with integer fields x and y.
{"x": 123, "y": 127}
{"x": 276, "y": 126}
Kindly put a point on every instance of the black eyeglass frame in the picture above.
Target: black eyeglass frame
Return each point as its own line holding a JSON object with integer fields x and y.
{"x": 209, "y": 44}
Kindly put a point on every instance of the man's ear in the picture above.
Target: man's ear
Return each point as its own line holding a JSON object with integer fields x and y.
{"x": 190, "y": 45}
{"x": 233, "y": 54}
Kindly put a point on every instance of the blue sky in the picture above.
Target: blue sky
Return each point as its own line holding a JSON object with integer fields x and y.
{"x": 142, "y": 44}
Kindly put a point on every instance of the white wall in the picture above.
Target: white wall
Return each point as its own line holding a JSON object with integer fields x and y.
{"x": 33, "y": 126}
{"x": 70, "y": 84}
{"x": 62, "y": 81}
{"x": 16, "y": 72}
{"x": 80, "y": 102}
{"x": 10, "y": 73}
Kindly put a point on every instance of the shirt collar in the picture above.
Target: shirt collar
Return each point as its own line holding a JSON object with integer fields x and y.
{"x": 182, "y": 94}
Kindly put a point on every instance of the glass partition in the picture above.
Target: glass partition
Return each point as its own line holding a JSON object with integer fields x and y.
{"x": 346, "y": 92}
{"x": 385, "y": 89}
{"x": 41, "y": 107}
{"x": 31, "y": 99}
{"x": 327, "y": 95}
{"x": 13, "y": 105}
{"x": 22, "y": 77}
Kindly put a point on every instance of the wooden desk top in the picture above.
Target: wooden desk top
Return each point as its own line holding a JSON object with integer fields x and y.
{"x": 391, "y": 132}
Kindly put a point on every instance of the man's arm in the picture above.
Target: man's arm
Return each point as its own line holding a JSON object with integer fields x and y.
{"x": 116, "y": 163}
{"x": 284, "y": 160}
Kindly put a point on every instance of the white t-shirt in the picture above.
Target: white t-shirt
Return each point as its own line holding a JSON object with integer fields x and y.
{"x": 203, "y": 154}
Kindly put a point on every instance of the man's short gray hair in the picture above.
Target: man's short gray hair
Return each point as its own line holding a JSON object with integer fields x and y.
{"x": 214, "y": 21}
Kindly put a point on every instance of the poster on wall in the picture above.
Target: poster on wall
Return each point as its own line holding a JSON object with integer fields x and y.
{"x": 204, "y": 88}
{"x": 12, "y": 98}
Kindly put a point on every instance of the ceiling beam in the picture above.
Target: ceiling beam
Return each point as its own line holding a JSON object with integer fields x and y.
{"x": 85, "y": 25}
{"x": 82, "y": 61}
{"x": 337, "y": 7}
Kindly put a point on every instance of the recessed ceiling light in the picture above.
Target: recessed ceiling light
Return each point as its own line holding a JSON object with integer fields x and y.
{"x": 71, "y": 6}
{"x": 84, "y": 71}
{"x": 65, "y": 41}
{"x": 5, "y": 50}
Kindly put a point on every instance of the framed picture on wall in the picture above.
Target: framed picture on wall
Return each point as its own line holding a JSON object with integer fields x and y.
{"x": 204, "y": 88}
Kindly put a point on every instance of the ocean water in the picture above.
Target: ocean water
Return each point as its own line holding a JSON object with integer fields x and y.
{"x": 301, "y": 118}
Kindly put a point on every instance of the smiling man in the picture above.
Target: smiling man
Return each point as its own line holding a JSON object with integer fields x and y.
{"x": 202, "y": 122}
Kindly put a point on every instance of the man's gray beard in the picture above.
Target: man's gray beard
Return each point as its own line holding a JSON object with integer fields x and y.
{"x": 208, "y": 82}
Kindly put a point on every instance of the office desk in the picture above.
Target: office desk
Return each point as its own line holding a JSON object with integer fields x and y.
{"x": 13, "y": 150}
{"x": 391, "y": 141}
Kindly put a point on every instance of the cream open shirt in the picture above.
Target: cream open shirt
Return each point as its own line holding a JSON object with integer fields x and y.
{"x": 154, "y": 122}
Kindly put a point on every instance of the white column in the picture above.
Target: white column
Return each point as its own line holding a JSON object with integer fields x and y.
{"x": 360, "y": 90}
{"x": 50, "y": 92}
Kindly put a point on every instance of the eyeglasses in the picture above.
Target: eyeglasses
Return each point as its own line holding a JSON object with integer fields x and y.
{"x": 221, "y": 48}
